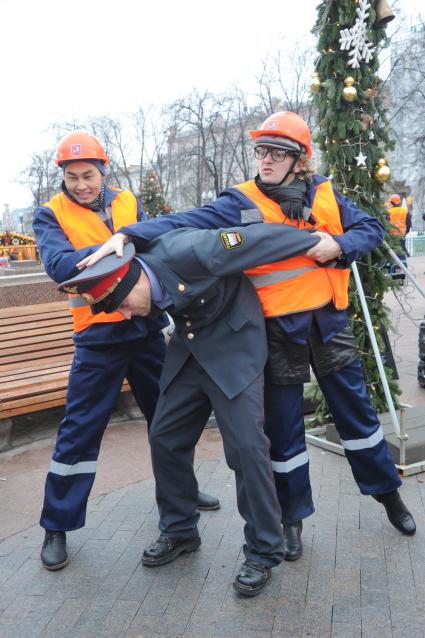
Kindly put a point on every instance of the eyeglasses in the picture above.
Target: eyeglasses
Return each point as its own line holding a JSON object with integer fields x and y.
{"x": 277, "y": 154}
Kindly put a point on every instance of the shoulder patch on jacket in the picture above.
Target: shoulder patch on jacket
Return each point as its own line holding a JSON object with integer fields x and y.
{"x": 231, "y": 239}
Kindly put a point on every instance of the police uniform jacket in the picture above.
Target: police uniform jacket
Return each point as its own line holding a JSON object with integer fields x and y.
{"x": 215, "y": 307}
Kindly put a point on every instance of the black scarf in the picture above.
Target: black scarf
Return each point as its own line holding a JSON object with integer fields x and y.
{"x": 97, "y": 205}
{"x": 290, "y": 198}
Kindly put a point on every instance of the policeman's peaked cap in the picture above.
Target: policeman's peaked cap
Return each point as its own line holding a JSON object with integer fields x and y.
{"x": 107, "y": 283}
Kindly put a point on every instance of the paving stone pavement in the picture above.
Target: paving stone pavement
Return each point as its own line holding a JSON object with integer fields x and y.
{"x": 358, "y": 577}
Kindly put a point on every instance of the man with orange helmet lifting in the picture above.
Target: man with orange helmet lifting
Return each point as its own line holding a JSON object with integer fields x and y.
{"x": 109, "y": 348}
{"x": 400, "y": 220}
{"x": 304, "y": 300}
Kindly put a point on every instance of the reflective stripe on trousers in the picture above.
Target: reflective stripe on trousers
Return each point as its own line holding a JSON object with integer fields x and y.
{"x": 83, "y": 467}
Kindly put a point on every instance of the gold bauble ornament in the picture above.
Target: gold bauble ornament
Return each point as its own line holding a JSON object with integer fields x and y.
{"x": 315, "y": 84}
{"x": 383, "y": 172}
{"x": 349, "y": 92}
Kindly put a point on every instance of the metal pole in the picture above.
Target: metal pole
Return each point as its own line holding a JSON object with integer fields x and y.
{"x": 404, "y": 269}
{"x": 403, "y": 437}
{"x": 376, "y": 352}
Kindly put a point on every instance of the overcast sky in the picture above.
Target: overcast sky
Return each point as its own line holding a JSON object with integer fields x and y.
{"x": 92, "y": 57}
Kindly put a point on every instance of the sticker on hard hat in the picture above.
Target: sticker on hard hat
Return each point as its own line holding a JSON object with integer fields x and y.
{"x": 75, "y": 150}
{"x": 272, "y": 124}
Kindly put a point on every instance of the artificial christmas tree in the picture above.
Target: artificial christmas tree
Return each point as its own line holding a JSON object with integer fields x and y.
{"x": 353, "y": 138}
{"x": 152, "y": 196}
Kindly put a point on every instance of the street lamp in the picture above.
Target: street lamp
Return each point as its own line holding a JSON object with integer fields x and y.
{"x": 21, "y": 222}
{"x": 207, "y": 197}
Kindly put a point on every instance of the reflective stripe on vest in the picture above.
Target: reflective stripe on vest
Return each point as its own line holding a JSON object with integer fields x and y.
{"x": 398, "y": 218}
{"x": 75, "y": 301}
{"x": 299, "y": 283}
{"x": 82, "y": 228}
{"x": 279, "y": 275}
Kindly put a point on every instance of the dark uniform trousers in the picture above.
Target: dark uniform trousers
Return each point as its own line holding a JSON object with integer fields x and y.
{"x": 182, "y": 412}
{"x": 340, "y": 376}
{"x": 95, "y": 382}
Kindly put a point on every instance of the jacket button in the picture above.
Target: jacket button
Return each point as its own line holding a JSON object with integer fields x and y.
{"x": 188, "y": 324}
{"x": 202, "y": 300}
{"x": 181, "y": 287}
{"x": 190, "y": 335}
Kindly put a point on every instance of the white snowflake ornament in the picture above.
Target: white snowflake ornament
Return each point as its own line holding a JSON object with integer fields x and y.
{"x": 356, "y": 39}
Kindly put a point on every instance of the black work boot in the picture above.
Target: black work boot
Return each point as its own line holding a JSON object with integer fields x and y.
{"x": 166, "y": 549}
{"x": 206, "y": 502}
{"x": 53, "y": 552}
{"x": 397, "y": 512}
{"x": 292, "y": 545}
{"x": 252, "y": 578}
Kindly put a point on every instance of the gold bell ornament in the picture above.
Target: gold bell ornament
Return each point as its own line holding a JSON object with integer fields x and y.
{"x": 383, "y": 172}
{"x": 349, "y": 92}
{"x": 315, "y": 84}
{"x": 384, "y": 14}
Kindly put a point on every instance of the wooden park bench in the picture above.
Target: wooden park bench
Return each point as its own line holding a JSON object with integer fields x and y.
{"x": 36, "y": 350}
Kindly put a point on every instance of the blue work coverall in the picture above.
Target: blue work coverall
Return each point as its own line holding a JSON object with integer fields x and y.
{"x": 105, "y": 354}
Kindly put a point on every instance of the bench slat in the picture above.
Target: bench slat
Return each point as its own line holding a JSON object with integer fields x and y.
{"x": 20, "y": 376}
{"x": 44, "y": 403}
{"x": 31, "y": 325}
{"x": 51, "y": 363}
{"x": 24, "y": 321}
{"x": 34, "y": 310}
{"x": 10, "y": 404}
{"x": 34, "y": 407}
{"x": 27, "y": 391}
{"x": 44, "y": 347}
{"x": 31, "y": 336}
{"x": 65, "y": 347}
{"x": 22, "y": 386}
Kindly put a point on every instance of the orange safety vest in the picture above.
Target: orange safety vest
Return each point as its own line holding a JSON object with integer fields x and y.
{"x": 398, "y": 217}
{"x": 299, "y": 283}
{"x": 84, "y": 228}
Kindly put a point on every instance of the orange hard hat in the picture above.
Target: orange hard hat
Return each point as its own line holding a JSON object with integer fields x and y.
{"x": 286, "y": 124}
{"x": 80, "y": 145}
{"x": 395, "y": 199}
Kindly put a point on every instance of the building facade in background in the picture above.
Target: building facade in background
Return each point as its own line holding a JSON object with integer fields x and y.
{"x": 406, "y": 87}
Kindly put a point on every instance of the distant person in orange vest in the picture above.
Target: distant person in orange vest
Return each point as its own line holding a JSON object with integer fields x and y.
{"x": 400, "y": 220}
{"x": 109, "y": 348}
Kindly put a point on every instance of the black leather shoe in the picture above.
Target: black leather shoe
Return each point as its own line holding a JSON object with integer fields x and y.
{"x": 397, "y": 512}
{"x": 166, "y": 549}
{"x": 252, "y": 578}
{"x": 206, "y": 502}
{"x": 292, "y": 545}
{"x": 53, "y": 552}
